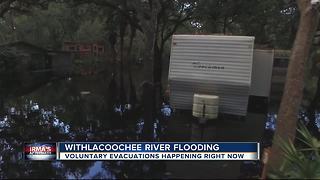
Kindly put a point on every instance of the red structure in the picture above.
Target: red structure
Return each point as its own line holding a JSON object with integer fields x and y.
{"x": 84, "y": 49}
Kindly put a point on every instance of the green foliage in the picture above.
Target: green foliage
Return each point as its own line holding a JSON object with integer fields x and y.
{"x": 90, "y": 31}
{"x": 272, "y": 22}
{"x": 311, "y": 77}
{"x": 54, "y": 25}
{"x": 301, "y": 161}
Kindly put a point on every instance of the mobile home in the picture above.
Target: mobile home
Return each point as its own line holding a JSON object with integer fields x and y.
{"x": 214, "y": 65}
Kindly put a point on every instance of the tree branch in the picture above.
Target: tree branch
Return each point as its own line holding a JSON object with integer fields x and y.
{"x": 174, "y": 29}
{"x": 123, "y": 12}
{"x": 20, "y": 6}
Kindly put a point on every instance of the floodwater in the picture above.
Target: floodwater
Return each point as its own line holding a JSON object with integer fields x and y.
{"x": 69, "y": 109}
{"x": 76, "y": 109}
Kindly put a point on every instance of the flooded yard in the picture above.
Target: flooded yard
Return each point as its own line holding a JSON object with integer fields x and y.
{"x": 75, "y": 109}
{"x": 72, "y": 109}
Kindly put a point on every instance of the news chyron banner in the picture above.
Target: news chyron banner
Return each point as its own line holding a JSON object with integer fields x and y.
{"x": 144, "y": 151}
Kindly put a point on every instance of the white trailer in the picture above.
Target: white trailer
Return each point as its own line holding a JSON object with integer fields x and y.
{"x": 215, "y": 65}
{"x": 261, "y": 80}
{"x": 261, "y": 72}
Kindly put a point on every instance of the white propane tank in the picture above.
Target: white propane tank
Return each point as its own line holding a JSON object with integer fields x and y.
{"x": 205, "y": 106}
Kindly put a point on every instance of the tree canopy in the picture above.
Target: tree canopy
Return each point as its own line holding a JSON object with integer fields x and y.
{"x": 273, "y": 23}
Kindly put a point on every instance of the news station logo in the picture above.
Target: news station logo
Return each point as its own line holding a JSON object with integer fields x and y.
{"x": 40, "y": 151}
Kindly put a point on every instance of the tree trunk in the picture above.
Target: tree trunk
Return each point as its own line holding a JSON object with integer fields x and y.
{"x": 123, "y": 25}
{"x": 150, "y": 32}
{"x": 132, "y": 92}
{"x": 293, "y": 91}
{"x": 157, "y": 68}
{"x": 113, "y": 41}
{"x": 2, "y": 111}
{"x": 225, "y": 25}
{"x": 148, "y": 111}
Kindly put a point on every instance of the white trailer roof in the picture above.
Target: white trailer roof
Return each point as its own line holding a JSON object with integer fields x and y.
{"x": 207, "y": 64}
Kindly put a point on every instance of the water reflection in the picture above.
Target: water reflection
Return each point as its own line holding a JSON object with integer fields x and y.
{"x": 96, "y": 171}
{"x": 54, "y": 114}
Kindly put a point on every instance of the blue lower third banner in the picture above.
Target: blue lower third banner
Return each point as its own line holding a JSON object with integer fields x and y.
{"x": 158, "y": 151}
